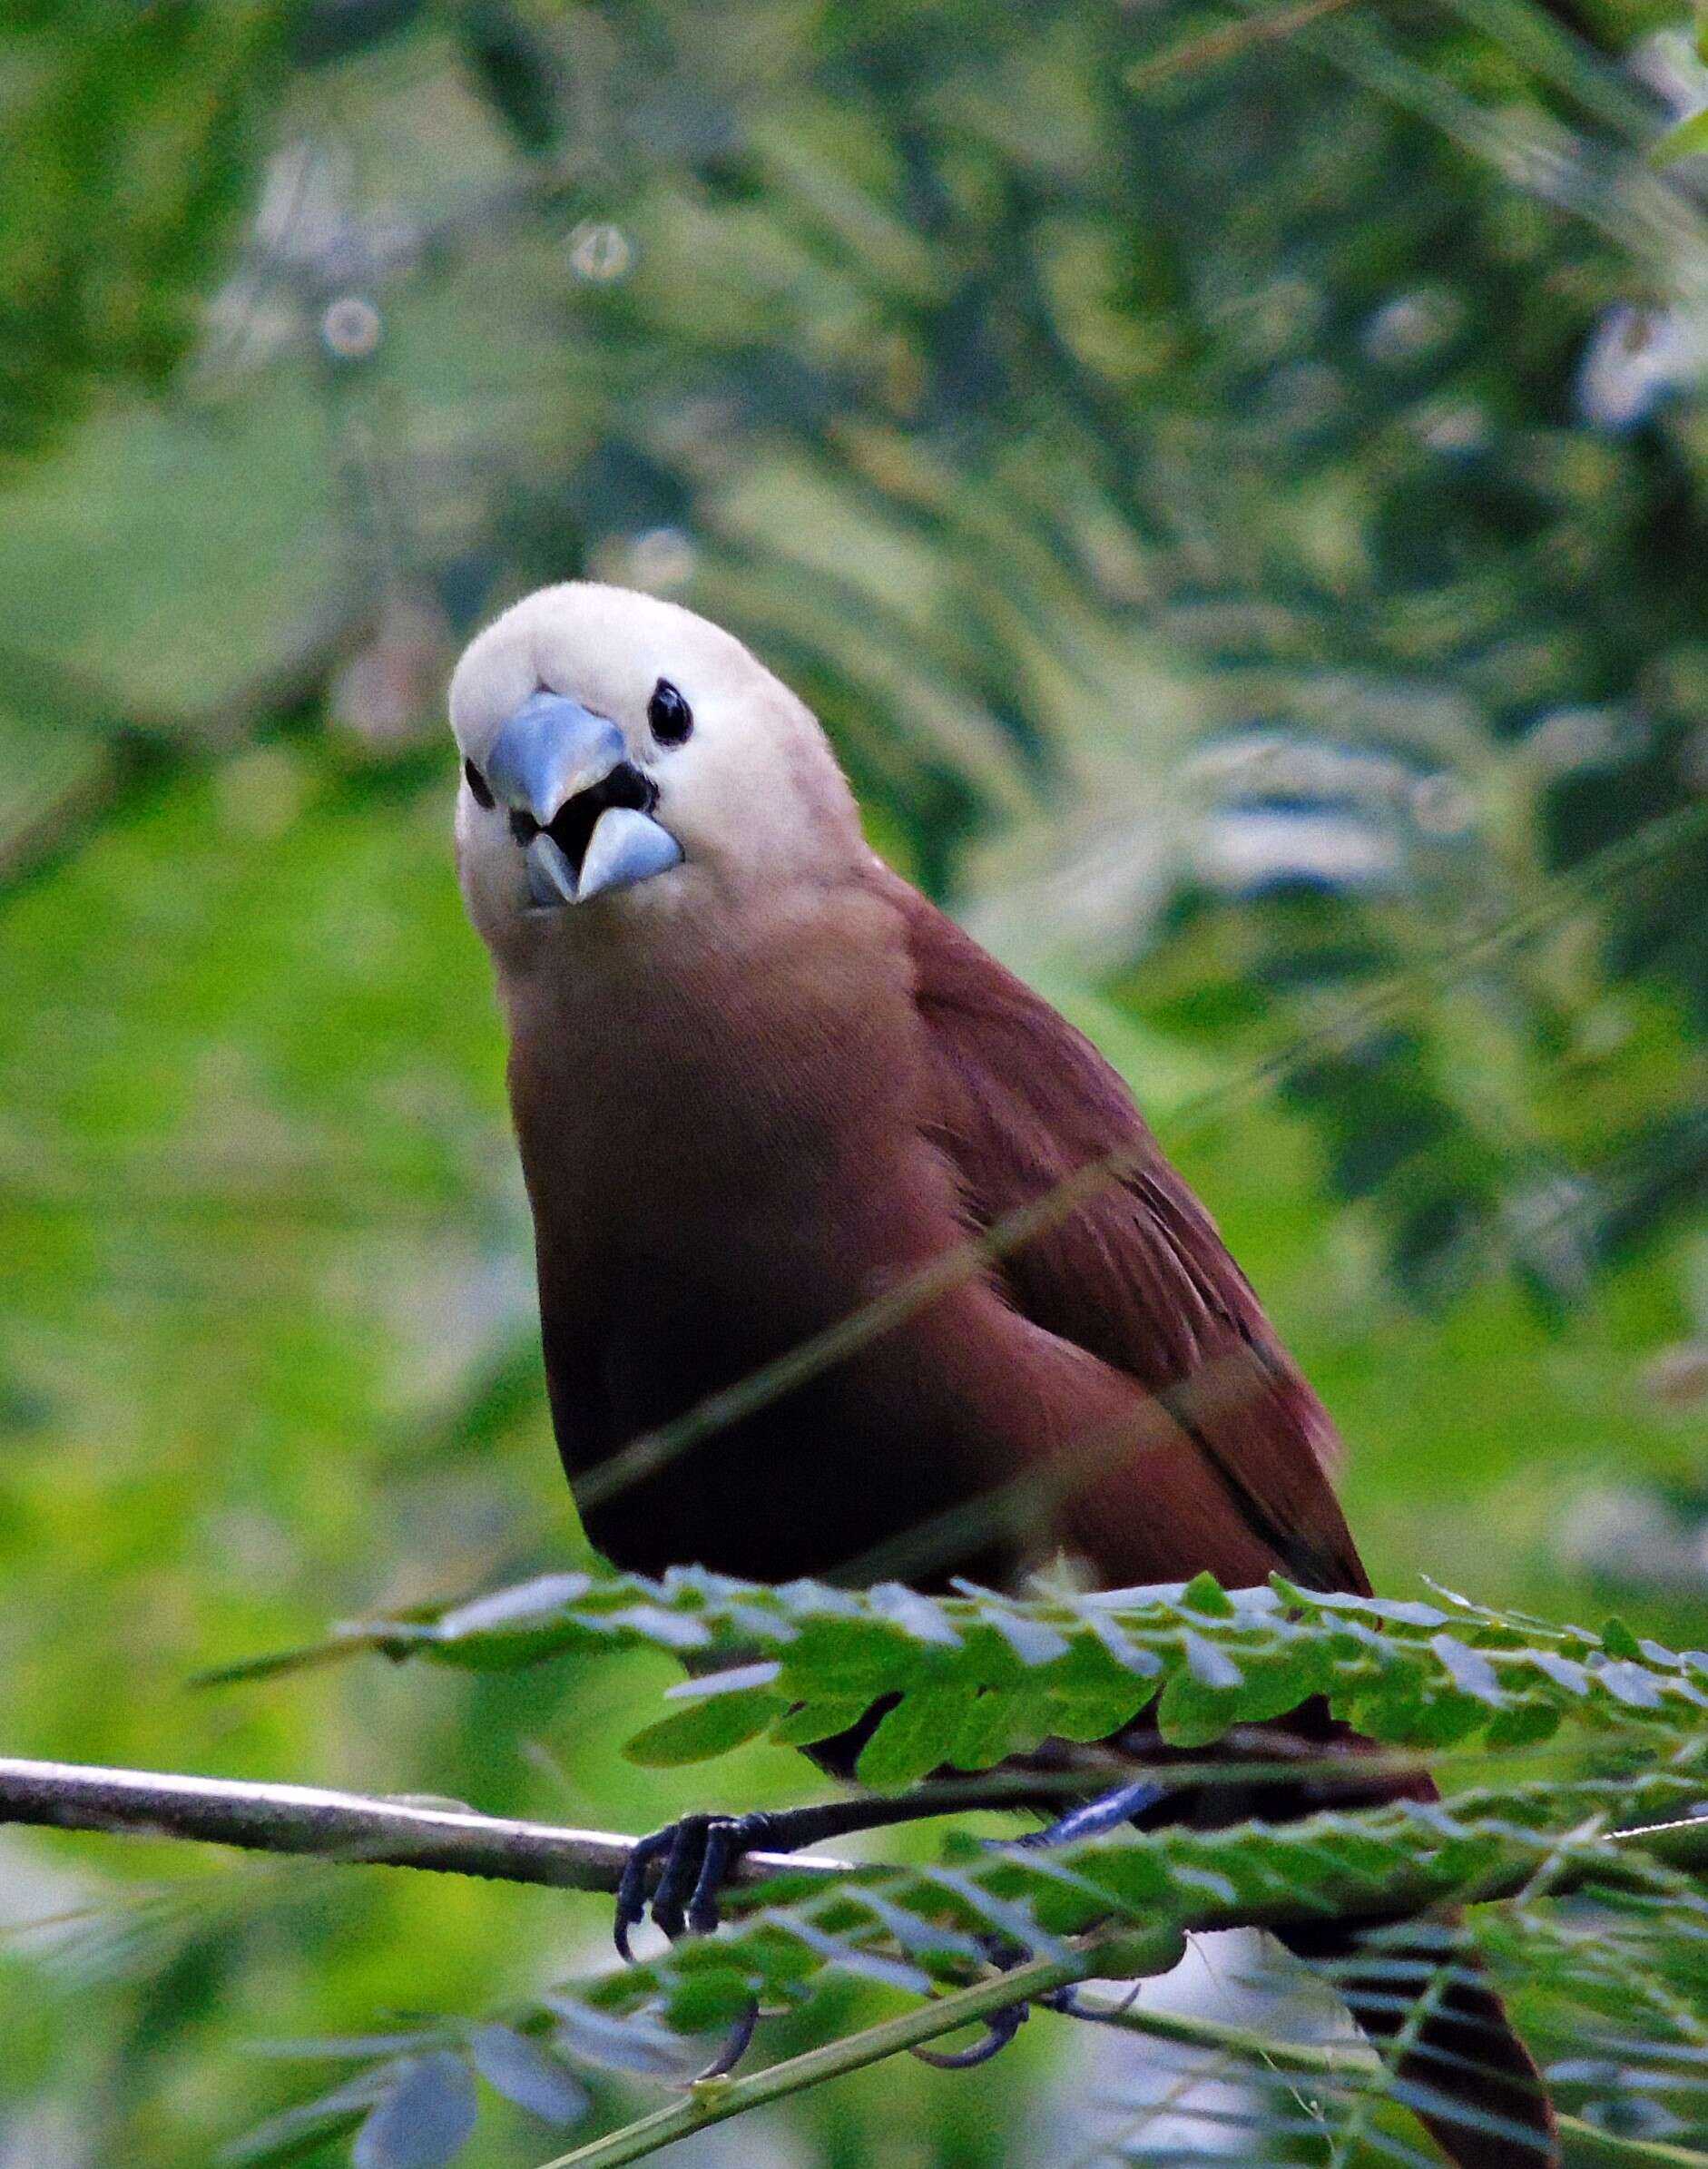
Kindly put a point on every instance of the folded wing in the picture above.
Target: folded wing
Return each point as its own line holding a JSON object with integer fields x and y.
{"x": 1124, "y": 1262}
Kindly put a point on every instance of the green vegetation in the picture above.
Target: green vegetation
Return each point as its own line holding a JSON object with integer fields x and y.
{"x": 1235, "y": 490}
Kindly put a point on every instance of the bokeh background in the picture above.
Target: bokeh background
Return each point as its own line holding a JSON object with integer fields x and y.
{"x": 1235, "y": 485}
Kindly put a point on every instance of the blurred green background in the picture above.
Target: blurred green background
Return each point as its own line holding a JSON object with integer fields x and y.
{"x": 1235, "y": 485}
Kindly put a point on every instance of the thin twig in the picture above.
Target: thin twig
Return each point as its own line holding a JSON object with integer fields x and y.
{"x": 713, "y": 2101}
{"x": 360, "y": 1831}
{"x": 716, "y": 2101}
{"x": 338, "y": 1826}
{"x": 1228, "y": 42}
{"x": 1347, "y": 2067}
{"x": 348, "y": 1828}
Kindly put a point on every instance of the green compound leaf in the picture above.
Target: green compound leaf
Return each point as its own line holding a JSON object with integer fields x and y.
{"x": 810, "y": 1722}
{"x": 977, "y": 1676}
{"x": 909, "y": 1740}
{"x": 1685, "y": 141}
{"x": 708, "y": 1728}
{"x": 916, "y": 1929}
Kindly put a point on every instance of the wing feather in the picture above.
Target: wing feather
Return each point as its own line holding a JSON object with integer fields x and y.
{"x": 1135, "y": 1272}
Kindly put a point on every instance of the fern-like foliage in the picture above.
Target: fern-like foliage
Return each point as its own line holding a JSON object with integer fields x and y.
{"x": 978, "y": 1677}
{"x": 1603, "y": 1926}
{"x": 1125, "y": 1904}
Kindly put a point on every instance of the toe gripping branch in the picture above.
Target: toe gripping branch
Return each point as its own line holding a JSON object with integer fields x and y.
{"x": 679, "y": 1873}
{"x": 1093, "y": 1819}
{"x": 693, "y": 1859}
{"x": 685, "y": 1866}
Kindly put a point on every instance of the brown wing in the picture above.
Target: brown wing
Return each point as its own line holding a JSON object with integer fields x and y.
{"x": 1135, "y": 1272}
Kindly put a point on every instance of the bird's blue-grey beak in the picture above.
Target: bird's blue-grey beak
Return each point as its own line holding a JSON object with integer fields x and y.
{"x": 581, "y": 809}
{"x": 550, "y": 751}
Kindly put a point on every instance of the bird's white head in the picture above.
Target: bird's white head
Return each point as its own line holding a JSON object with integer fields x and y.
{"x": 624, "y": 760}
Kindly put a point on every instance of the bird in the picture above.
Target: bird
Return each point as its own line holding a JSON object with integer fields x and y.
{"x": 764, "y": 1090}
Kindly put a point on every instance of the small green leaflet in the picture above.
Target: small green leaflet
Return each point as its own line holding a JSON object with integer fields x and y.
{"x": 1687, "y": 139}
{"x": 975, "y": 1676}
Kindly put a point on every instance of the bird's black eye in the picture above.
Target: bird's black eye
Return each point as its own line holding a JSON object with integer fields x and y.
{"x": 669, "y": 714}
{"x": 478, "y": 783}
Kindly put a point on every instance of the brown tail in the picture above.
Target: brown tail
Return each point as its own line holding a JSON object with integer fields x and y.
{"x": 1466, "y": 2078}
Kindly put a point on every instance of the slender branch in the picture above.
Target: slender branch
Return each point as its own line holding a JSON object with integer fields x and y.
{"x": 1634, "y": 2146}
{"x": 398, "y": 1833}
{"x": 1231, "y": 42}
{"x": 362, "y": 1831}
{"x": 1682, "y": 1845}
{"x": 338, "y": 1826}
{"x": 1348, "y": 2067}
{"x": 713, "y": 2101}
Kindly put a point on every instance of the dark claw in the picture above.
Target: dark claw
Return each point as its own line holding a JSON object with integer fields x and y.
{"x": 1067, "y": 2002}
{"x": 718, "y": 1855}
{"x": 680, "y": 1874}
{"x": 1000, "y": 2026}
{"x": 1000, "y": 2029}
{"x": 697, "y": 1853}
{"x": 697, "y": 1856}
{"x": 735, "y": 2045}
{"x": 630, "y": 1906}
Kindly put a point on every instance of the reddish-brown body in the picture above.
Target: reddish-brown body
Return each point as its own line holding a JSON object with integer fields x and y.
{"x": 768, "y": 1085}
{"x": 729, "y": 1151}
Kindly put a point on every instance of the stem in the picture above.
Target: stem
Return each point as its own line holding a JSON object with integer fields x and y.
{"x": 1350, "y": 2068}
{"x": 711, "y": 2101}
{"x": 393, "y": 1834}
{"x": 396, "y": 1833}
{"x": 715, "y": 2100}
{"x": 1230, "y": 43}
{"x": 1627, "y": 2142}
{"x": 1683, "y": 1845}
{"x": 341, "y": 1826}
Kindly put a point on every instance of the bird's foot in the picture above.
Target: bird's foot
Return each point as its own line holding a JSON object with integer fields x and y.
{"x": 1095, "y": 1818}
{"x": 1092, "y": 1818}
{"x": 693, "y": 1859}
{"x": 686, "y": 1865}
{"x": 678, "y": 1874}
